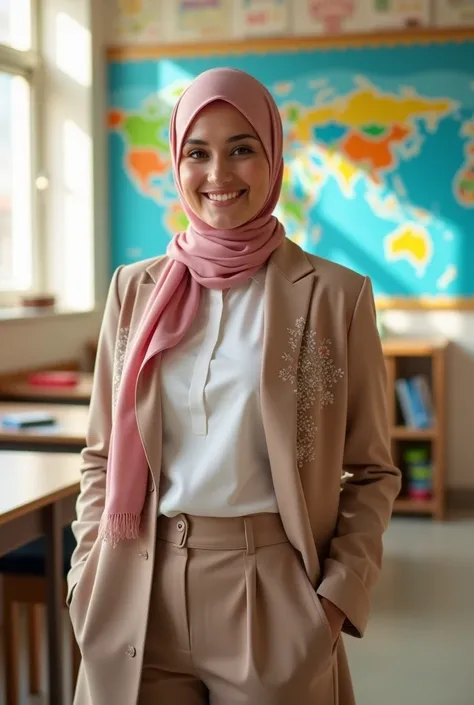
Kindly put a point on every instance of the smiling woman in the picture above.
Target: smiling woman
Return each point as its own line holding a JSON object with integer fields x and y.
{"x": 224, "y": 170}
{"x": 245, "y": 378}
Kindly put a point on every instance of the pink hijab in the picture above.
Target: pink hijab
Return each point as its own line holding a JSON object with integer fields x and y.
{"x": 202, "y": 256}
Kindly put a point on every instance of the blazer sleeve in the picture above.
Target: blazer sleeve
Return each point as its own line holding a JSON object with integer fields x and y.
{"x": 91, "y": 500}
{"x": 366, "y": 501}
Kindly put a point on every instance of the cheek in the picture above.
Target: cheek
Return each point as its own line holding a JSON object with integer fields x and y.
{"x": 257, "y": 176}
{"x": 189, "y": 178}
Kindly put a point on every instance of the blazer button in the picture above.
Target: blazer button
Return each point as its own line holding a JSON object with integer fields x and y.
{"x": 131, "y": 651}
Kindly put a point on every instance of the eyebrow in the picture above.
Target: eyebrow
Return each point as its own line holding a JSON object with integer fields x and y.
{"x": 234, "y": 138}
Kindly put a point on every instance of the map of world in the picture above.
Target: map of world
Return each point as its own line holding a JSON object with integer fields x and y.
{"x": 379, "y": 160}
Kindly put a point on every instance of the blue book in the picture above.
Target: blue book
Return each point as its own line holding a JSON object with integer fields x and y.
{"x": 422, "y": 387}
{"x": 405, "y": 400}
{"x": 27, "y": 419}
{"x": 422, "y": 419}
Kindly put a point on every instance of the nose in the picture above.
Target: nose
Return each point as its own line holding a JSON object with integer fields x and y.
{"x": 219, "y": 172}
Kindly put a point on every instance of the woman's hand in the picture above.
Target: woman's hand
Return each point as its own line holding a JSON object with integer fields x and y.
{"x": 335, "y": 617}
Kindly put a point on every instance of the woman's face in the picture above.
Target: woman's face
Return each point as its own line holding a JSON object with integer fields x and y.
{"x": 223, "y": 168}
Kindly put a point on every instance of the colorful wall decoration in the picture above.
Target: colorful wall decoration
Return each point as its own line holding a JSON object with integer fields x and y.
{"x": 139, "y": 22}
{"x": 454, "y": 13}
{"x": 262, "y": 18}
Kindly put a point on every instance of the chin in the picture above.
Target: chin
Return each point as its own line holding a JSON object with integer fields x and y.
{"x": 223, "y": 222}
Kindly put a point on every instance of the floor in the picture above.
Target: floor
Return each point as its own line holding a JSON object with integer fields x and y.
{"x": 419, "y": 647}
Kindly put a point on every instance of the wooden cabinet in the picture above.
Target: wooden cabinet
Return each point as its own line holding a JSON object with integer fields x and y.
{"x": 404, "y": 359}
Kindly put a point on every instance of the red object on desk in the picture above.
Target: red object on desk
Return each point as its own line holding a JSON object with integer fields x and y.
{"x": 54, "y": 379}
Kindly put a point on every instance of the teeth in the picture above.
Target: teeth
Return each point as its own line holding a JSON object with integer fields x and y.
{"x": 222, "y": 196}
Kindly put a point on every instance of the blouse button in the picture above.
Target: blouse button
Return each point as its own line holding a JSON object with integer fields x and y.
{"x": 131, "y": 651}
{"x": 144, "y": 555}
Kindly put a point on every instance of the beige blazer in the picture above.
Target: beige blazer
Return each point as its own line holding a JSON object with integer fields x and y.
{"x": 324, "y": 411}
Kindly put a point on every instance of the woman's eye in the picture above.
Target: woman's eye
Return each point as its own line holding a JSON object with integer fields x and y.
{"x": 242, "y": 150}
{"x": 197, "y": 154}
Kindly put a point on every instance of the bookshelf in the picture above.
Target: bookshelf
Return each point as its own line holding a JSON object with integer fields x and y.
{"x": 405, "y": 359}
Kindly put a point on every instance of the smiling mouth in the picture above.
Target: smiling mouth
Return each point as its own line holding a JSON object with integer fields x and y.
{"x": 224, "y": 199}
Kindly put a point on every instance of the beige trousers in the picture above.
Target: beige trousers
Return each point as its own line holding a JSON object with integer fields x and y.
{"x": 234, "y": 619}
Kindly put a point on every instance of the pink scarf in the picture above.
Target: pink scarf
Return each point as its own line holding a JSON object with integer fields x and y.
{"x": 201, "y": 256}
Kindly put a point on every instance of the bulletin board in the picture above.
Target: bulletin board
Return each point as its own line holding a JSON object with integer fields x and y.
{"x": 379, "y": 154}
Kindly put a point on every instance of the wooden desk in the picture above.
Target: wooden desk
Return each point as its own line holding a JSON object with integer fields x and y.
{"x": 67, "y": 435}
{"x": 18, "y": 389}
{"x": 38, "y": 493}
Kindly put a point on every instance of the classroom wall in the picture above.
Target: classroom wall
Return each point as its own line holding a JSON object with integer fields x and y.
{"x": 42, "y": 342}
{"x": 66, "y": 151}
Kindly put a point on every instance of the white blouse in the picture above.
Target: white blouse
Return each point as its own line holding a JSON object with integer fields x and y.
{"x": 215, "y": 460}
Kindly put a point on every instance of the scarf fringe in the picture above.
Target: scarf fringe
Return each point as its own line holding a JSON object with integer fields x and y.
{"x": 119, "y": 527}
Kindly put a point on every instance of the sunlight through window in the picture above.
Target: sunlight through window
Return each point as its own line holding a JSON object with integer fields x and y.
{"x": 22, "y": 255}
{"x": 78, "y": 245}
{"x": 73, "y": 49}
{"x": 15, "y": 183}
{"x": 15, "y": 23}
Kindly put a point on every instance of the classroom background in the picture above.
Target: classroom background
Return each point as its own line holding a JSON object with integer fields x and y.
{"x": 377, "y": 101}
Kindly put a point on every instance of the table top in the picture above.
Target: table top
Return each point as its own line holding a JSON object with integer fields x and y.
{"x": 19, "y": 388}
{"x": 29, "y": 481}
{"x": 70, "y": 428}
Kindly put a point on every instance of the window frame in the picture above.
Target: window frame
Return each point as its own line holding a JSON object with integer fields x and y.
{"x": 28, "y": 65}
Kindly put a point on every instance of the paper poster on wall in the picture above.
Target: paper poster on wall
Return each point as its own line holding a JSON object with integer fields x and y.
{"x": 136, "y": 22}
{"x": 331, "y": 16}
{"x": 454, "y": 13}
{"x": 192, "y": 20}
{"x": 258, "y": 18}
{"x": 396, "y": 14}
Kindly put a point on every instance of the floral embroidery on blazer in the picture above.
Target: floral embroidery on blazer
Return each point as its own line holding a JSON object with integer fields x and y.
{"x": 313, "y": 375}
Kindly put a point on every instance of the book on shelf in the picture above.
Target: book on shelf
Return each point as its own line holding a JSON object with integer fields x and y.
{"x": 414, "y": 397}
{"x": 421, "y": 387}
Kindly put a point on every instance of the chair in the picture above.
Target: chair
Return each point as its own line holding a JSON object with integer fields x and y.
{"x": 24, "y": 583}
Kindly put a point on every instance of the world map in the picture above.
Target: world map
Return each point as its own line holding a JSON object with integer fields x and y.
{"x": 358, "y": 186}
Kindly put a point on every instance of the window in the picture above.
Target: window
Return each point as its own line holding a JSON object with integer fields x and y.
{"x": 18, "y": 74}
{"x": 15, "y": 23}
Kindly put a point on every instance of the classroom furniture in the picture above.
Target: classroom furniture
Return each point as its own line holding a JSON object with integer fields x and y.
{"x": 24, "y": 584}
{"x": 67, "y": 435}
{"x": 90, "y": 354}
{"x": 38, "y": 493}
{"x": 405, "y": 358}
{"x": 17, "y": 388}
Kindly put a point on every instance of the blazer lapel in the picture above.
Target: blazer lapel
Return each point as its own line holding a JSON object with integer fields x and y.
{"x": 148, "y": 393}
{"x": 288, "y": 290}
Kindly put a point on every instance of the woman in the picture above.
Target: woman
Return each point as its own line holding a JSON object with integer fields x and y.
{"x": 239, "y": 381}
